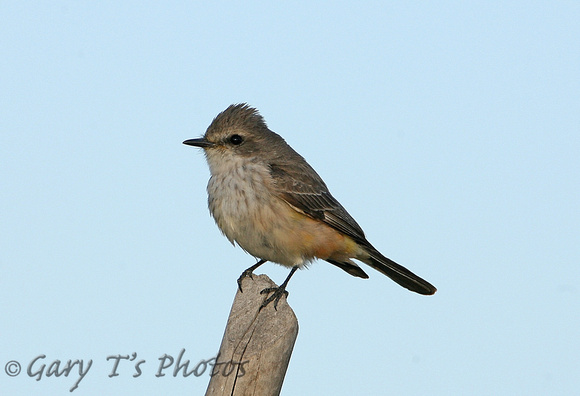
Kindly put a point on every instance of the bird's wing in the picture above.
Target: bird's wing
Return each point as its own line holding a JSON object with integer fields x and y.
{"x": 301, "y": 187}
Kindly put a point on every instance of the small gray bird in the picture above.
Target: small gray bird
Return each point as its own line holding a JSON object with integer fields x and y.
{"x": 266, "y": 198}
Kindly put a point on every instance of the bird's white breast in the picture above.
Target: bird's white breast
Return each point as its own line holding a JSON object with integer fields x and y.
{"x": 245, "y": 208}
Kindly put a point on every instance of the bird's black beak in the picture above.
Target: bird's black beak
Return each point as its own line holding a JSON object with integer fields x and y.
{"x": 201, "y": 142}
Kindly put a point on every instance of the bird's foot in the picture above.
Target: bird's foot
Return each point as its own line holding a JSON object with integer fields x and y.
{"x": 277, "y": 293}
{"x": 248, "y": 273}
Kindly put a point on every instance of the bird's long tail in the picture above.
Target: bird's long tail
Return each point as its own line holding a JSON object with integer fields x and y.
{"x": 398, "y": 273}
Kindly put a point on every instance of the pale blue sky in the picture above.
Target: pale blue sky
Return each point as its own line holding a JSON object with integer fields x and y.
{"x": 449, "y": 130}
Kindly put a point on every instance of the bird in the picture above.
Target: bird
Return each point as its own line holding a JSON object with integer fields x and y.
{"x": 268, "y": 200}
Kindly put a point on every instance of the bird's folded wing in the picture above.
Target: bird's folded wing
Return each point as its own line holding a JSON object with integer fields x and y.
{"x": 302, "y": 188}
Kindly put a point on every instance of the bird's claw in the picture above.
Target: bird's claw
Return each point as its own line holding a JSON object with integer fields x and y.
{"x": 249, "y": 272}
{"x": 246, "y": 273}
{"x": 277, "y": 293}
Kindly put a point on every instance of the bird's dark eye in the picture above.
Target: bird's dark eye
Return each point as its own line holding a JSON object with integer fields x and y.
{"x": 236, "y": 139}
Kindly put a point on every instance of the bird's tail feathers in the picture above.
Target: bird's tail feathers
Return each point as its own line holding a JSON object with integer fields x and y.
{"x": 349, "y": 267}
{"x": 398, "y": 273}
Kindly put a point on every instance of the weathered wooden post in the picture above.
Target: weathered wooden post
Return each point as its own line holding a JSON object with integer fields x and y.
{"x": 256, "y": 346}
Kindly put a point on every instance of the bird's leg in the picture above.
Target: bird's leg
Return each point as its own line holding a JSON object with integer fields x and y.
{"x": 248, "y": 272}
{"x": 277, "y": 292}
